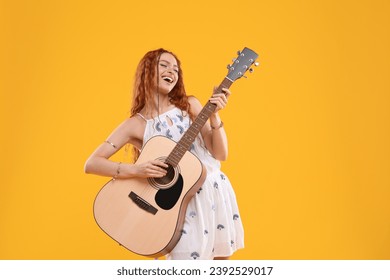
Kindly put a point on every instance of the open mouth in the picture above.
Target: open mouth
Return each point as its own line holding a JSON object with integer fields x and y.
{"x": 168, "y": 79}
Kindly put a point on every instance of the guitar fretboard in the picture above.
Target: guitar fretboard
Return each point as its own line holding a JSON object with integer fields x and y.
{"x": 189, "y": 137}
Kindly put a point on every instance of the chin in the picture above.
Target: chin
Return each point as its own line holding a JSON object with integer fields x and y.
{"x": 165, "y": 90}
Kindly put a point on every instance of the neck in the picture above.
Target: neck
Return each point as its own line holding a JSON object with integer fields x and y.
{"x": 161, "y": 102}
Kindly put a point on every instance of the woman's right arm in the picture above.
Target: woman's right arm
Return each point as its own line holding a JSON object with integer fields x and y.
{"x": 130, "y": 131}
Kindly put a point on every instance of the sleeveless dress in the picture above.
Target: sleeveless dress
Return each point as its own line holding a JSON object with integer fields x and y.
{"x": 212, "y": 226}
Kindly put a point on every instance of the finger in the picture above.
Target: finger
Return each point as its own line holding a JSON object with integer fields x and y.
{"x": 226, "y": 92}
{"x": 151, "y": 170}
{"x": 219, "y": 105}
{"x": 220, "y": 100}
{"x": 157, "y": 174}
{"x": 224, "y": 98}
{"x": 220, "y": 95}
{"x": 159, "y": 170}
{"x": 220, "y": 91}
{"x": 154, "y": 172}
{"x": 159, "y": 163}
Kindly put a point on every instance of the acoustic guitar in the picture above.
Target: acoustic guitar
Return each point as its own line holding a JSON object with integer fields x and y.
{"x": 146, "y": 215}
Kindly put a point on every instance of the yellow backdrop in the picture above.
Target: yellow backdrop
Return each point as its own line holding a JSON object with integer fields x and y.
{"x": 309, "y": 153}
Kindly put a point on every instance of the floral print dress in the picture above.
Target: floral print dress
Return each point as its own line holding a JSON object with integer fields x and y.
{"x": 212, "y": 226}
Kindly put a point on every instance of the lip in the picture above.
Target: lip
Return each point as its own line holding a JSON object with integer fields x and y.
{"x": 168, "y": 79}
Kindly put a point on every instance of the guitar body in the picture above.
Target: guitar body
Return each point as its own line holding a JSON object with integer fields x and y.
{"x": 145, "y": 215}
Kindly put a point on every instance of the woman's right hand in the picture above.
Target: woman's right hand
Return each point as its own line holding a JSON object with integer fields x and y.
{"x": 152, "y": 168}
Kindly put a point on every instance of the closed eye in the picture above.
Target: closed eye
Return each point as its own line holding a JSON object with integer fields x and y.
{"x": 166, "y": 64}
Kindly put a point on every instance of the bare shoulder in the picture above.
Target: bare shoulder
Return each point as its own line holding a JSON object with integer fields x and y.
{"x": 131, "y": 131}
{"x": 134, "y": 122}
{"x": 135, "y": 127}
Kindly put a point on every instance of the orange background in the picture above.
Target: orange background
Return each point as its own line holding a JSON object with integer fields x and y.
{"x": 309, "y": 153}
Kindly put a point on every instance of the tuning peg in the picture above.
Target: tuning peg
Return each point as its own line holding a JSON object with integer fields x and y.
{"x": 238, "y": 52}
{"x": 251, "y": 70}
{"x": 256, "y": 64}
{"x": 228, "y": 66}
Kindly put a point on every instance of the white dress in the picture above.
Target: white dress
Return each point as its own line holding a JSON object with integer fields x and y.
{"x": 212, "y": 226}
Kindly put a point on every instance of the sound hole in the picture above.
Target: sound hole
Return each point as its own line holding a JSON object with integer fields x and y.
{"x": 167, "y": 179}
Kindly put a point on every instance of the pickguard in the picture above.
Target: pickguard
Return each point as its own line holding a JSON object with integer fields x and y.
{"x": 167, "y": 198}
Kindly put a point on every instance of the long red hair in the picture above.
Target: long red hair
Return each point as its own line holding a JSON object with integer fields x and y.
{"x": 146, "y": 78}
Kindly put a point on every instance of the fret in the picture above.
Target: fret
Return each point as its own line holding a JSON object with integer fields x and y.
{"x": 175, "y": 158}
{"x": 170, "y": 161}
{"x": 189, "y": 138}
{"x": 209, "y": 110}
{"x": 192, "y": 133}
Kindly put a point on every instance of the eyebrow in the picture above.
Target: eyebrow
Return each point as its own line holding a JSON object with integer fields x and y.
{"x": 163, "y": 60}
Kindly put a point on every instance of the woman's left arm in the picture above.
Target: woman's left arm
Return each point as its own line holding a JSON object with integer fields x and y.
{"x": 213, "y": 132}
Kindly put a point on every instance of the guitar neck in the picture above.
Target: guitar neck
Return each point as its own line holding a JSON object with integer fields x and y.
{"x": 189, "y": 137}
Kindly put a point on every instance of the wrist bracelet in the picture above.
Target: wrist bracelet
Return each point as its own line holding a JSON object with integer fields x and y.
{"x": 118, "y": 171}
{"x": 218, "y": 127}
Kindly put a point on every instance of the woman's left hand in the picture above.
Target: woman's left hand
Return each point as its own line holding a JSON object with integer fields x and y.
{"x": 220, "y": 99}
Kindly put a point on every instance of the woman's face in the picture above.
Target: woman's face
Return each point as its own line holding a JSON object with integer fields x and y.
{"x": 168, "y": 73}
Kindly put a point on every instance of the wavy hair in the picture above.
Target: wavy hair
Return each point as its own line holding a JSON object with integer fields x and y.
{"x": 146, "y": 77}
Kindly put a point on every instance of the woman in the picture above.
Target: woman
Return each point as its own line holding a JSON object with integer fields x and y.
{"x": 212, "y": 227}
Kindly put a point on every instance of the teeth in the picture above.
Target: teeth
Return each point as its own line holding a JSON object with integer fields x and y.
{"x": 168, "y": 79}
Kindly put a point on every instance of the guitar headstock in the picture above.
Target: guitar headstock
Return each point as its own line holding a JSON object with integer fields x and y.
{"x": 241, "y": 64}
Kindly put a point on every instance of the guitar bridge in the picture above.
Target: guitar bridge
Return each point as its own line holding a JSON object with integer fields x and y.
{"x": 142, "y": 203}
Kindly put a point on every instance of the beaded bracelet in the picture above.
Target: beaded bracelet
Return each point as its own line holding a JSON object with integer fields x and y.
{"x": 220, "y": 125}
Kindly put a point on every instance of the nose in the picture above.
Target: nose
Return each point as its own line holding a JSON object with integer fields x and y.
{"x": 170, "y": 69}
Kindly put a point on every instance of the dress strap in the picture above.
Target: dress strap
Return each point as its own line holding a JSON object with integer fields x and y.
{"x": 139, "y": 114}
